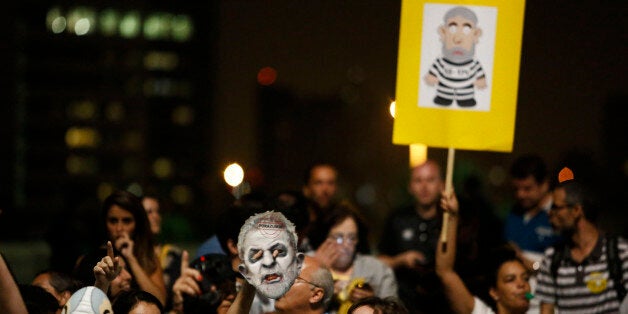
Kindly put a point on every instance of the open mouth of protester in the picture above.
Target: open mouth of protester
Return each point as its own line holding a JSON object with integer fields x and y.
{"x": 272, "y": 278}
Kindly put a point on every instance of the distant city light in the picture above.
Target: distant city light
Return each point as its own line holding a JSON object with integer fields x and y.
{"x": 266, "y": 76}
{"x": 130, "y": 24}
{"x": 83, "y": 20}
{"x": 77, "y": 137}
{"x": 162, "y": 167}
{"x": 181, "y": 27}
{"x": 182, "y": 194}
{"x": 82, "y": 27}
{"x": 58, "y": 25}
{"x": 108, "y": 22}
{"x": 234, "y": 174}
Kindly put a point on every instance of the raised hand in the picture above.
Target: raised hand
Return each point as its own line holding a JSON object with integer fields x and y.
{"x": 186, "y": 283}
{"x": 107, "y": 269}
{"x": 449, "y": 203}
{"x": 327, "y": 252}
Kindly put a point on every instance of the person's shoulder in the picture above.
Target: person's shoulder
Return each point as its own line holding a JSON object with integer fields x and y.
{"x": 479, "y": 307}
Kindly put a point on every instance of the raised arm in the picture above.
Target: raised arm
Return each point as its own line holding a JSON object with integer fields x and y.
{"x": 244, "y": 299}
{"x": 461, "y": 299}
{"x": 10, "y": 298}
{"x": 185, "y": 284}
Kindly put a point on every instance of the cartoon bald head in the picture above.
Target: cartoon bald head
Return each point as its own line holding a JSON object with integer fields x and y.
{"x": 459, "y": 34}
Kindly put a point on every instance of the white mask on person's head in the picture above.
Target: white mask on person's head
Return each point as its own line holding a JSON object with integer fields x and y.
{"x": 88, "y": 300}
{"x": 267, "y": 248}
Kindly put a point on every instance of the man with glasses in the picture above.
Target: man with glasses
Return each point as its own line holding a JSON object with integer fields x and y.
{"x": 310, "y": 292}
{"x": 588, "y": 274}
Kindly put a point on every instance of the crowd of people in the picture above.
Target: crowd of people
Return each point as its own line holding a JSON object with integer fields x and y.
{"x": 548, "y": 254}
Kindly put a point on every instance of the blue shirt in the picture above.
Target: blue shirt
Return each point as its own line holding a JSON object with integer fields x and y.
{"x": 534, "y": 235}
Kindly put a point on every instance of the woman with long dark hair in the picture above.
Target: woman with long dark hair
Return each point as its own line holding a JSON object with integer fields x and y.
{"x": 126, "y": 225}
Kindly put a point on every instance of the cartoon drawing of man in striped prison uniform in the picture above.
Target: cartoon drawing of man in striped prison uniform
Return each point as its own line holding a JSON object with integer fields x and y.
{"x": 457, "y": 72}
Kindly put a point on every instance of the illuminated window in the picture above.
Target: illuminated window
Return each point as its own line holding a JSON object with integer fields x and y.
{"x": 55, "y": 21}
{"x": 163, "y": 168}
{"x": 157, "y": 26}
{"x": 130, "y": 24}
{"x": 182, "y": 28}
{"x": 159, "y": 87}
{"x": 108, "y": 22}
{"x": 81, "y": 165}
{"x": 82, "y": 110}
{"x": 82, "y": 137}
{"x": 158, "y": 60}
{"x": 81, "y": 21}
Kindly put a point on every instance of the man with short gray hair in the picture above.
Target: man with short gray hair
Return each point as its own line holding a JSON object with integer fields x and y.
{"x": 311, "y": 291}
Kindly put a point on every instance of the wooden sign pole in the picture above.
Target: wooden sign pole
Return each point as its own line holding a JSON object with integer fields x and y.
{"x": 448, "y": 191}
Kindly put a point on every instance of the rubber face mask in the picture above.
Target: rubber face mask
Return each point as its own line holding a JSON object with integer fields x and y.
{"x": 88, "y": 300}
{"x": 267, "y": 247}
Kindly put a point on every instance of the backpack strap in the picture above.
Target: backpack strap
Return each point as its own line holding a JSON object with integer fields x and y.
{"x": 615, "y": 265}
{"x": 557, "y": 257}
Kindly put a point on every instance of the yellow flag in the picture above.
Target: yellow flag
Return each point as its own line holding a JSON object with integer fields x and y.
{"x": 457, "y": 73}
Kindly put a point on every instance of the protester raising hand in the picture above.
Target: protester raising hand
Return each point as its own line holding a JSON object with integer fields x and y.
{"x": 107, "y": 269}
{"x": 126, "y": 226}
{"x": 187, "y": 283}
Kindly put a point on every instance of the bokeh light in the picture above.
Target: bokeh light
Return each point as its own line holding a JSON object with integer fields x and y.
{"x": 234, "y": 174}
{"x": 162, "y": 167}
{"x": 266, "y": 76}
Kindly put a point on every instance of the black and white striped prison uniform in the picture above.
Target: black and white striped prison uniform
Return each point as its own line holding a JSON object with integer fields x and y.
{"x": 585, "y": 287}
{"x": 455, "y": 80}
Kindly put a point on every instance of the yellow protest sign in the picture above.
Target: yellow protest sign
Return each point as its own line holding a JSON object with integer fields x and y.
{"x": 457, "y": 73}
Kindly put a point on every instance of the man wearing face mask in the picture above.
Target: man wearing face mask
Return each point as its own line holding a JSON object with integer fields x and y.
{"x": 457, "y": 72}
{"x": 267, "y": 245}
